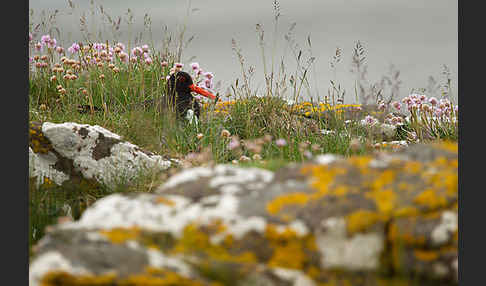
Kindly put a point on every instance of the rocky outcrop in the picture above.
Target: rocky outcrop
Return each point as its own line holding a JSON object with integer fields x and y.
{"x": 364, "y": 220}
{"x": 69, "y": 151}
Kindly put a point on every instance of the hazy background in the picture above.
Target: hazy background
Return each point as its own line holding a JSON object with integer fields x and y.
{"x": 417, "y": 36}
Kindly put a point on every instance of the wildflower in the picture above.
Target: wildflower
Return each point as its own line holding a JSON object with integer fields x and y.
{"x": 225, "y": 133}
{"x": 256, "y": 157}
{"x": 172, "y": 71}
{"x": 164, "y": 64}
{"x": 120, "y": 46}
{"x": 102, "y": 76}
{"x": 38, "y": 46}
{"x": 73, "y": 77}
{"x": 280, "y": 142}
{"x": 84, "y": 91}
{"x": 208, "y": 75}
{"x": 53, "y": 78}
{"x": 58, "y": 87}
{"x": 45, "y": 39}
{"x": 199, "y": 136}
{"x": 117, "y": 50}
{"x": 44, "y": 57}
{"x": 66, "y": 77}
{"x": 307, "y": 154}
{"x": 456, "y": 108}
{"x": 30, "y": 37}
{"x": 59, "y": 50}
{"x": 167, "y": 77}
{"x": 195, "y": 66}
{"x": 396, "y": 105}
{"x": 116, "y": 70}
{"x": 244, "y": 158}
{"x": 369, "y": 121}
{"x": 31, "y": 59}
{"x": 103, "y": 54}
{"x": 52, "y": 43}
{"x": 62, "y": 91}
{"x": 178, "y": 66}
{"x": 234, "y": 162}
{"x": 100, "y": 64}
{"x": 381, "y": 106}
{"x": 145, "y": 48}
{"x": 433, "y": 101}
{"x": 111, "y": 66}
{"x": 208, "y": 83}
{"x": 38, "y": 64}
{"x": 74, "y": 48}
{"x": 43, "y": 107}
{"x": 148, "y": 61}
{"x": 137, "y": 51}
{"x": 199, "y": 72}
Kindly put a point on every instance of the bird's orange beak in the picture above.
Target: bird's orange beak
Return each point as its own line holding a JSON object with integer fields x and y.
{"x": 201, "y": 91}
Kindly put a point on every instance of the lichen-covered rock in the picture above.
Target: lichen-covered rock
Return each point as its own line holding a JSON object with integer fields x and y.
{"x": 61, "y": 152}
{"x": 364, "y": 220}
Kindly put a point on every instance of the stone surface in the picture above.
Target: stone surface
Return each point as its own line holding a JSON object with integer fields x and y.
{"x": 67, "y": 151}
{"x": 364, "y": 220}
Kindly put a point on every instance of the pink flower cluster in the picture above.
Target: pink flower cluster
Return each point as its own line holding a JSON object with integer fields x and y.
{"x": 369, "y": 121}
{"x": 207, "y": 77}
{"x": 422, "y": 104}
{"x": 141, "y": 53}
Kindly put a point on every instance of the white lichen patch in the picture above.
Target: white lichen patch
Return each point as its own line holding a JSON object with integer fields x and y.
{"x": 51, "y": 261}
{"x": 326, "y": 159}
{"x": 359, "y": 252}
{"x": 41, "y": 167}
{"x": 295, "y": 276}
{"x": 117, "y": 211}
{"x": 448, "y": 225}
{"x": 159, "y": 260}
{"x": 124, "y": 160}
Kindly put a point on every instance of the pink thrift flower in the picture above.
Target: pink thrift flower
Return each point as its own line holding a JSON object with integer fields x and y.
{"x": 233, "y": 144}
{"x": 52, "y": 43}
{"x": 45, "y": 39}
{"x": 369, "y": 121}
{"x": 59, "y": 50}
{"x": 208, "y": 83}
{"x": 433, "y": 101}
{"x": 164, "y": 64}
{"x": 145, "y": 48}
{"x": 209, "y": 75}
{"x": 38, "y": 46}
{"x": 195, "y": 66}
{"x": 121, "y": 46}
{"x": 167, "y": 77}
{"x": 280, "y": 142}
{"x": 30, "y": 37}
{"x": 74, "y": 48}
{"x": 148, "y": 60}
{"x": 381, "y": 107}
{"x": 396, "y": 105}
{"x": 178, "y": 65}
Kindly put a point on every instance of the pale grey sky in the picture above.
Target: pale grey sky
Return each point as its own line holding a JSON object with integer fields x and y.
{"x": 417, "y": 36}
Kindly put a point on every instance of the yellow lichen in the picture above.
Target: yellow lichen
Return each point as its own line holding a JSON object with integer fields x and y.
{"x": 282, "y": 201}
{"x": 430, "y": 199}
{"x": 361, "y": 220}
{"x": 426, "y": 255}
{"x": 121, "y": 235}
{"x": 165, "y": 201}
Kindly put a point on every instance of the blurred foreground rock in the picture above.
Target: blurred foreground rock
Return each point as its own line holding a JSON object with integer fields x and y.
{"x": 67, "y": 152}
{"x": 367, "y": 220}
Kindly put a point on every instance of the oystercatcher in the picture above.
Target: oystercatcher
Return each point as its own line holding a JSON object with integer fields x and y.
{"x": 180, "y": 86}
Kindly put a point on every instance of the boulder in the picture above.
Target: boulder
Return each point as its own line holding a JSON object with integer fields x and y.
{"x": 365, "y": 220}
{"x": 60, "y": 153}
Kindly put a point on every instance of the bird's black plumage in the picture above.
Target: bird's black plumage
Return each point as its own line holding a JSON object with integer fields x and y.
{"x": 179, "y": 91}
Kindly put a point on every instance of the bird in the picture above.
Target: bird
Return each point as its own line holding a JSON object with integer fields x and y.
{"x": 179, "y": 86}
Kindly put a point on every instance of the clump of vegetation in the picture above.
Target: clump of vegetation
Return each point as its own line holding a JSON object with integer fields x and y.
{"x": 122, "y": 86}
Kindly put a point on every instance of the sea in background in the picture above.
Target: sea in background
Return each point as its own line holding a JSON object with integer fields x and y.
{"x": 417, "y": 37}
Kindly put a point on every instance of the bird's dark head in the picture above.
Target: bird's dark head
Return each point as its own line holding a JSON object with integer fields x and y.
{"x": 181, "y": 81}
